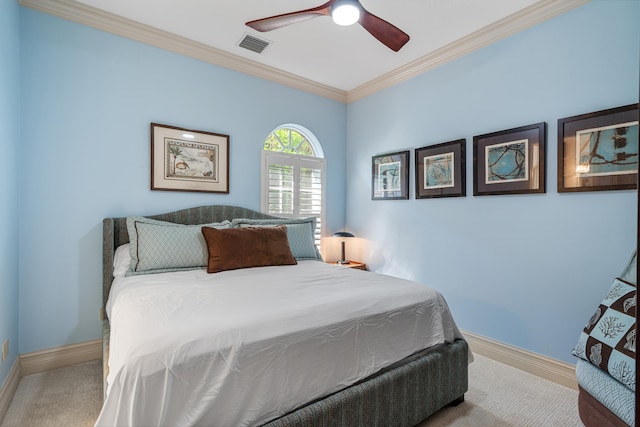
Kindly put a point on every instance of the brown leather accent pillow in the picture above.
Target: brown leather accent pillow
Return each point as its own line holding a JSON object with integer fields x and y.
{"x": 234, "y": 248}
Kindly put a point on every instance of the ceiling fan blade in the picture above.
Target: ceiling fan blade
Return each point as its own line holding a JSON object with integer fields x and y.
{"x": 388, "y": 34}
{"x": 279, "y": 21}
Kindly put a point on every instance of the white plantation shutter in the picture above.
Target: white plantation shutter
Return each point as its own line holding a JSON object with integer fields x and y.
{"x": 293, "y": 187}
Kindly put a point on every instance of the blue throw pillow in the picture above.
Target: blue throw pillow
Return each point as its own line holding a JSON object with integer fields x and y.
{"x": 160, "y": 246}
{"x": 300, "y": 233}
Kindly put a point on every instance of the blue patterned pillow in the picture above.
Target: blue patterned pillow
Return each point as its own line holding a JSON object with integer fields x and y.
{"x": 160, "y": 246}
{"x": 300, "y": 233}
{"x": 608, "y": 341}
{"x": 614, "y": 396}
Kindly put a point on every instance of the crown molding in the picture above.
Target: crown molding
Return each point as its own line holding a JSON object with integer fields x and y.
{"x": 105, "y": 21}
{"x": 508, "y": 26}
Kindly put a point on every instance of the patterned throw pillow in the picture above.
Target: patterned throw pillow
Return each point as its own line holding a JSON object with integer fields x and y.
{"x": 160, "y": 246}
{"x": 300, "y": 232}
{"x": 608, "y": 341}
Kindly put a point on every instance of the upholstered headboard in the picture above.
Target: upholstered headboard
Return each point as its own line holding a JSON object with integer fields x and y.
{"x": 114, "y": 231}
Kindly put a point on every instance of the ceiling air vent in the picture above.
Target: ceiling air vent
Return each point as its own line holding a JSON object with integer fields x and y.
{"x": 254, "y": 43}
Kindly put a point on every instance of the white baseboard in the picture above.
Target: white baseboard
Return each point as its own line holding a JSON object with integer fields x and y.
{"x": 44, "y": 360}
{"x": 9, "y": 388}
{"x": 551, "y": 369}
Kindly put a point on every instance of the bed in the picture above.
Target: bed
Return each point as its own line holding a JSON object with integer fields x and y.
{"x": 387, "y": 367}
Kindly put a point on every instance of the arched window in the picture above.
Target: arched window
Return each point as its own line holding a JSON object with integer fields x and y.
{"x": 293, "y": 175}
{"x": 293, "y": 139}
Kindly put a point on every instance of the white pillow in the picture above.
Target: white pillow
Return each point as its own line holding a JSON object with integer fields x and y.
{"x": 121, "y": 260}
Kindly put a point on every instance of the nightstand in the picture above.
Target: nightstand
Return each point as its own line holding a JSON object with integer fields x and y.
{"x": 352, "y": 264}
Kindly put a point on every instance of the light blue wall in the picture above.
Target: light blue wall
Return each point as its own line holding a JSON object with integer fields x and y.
{"x": 88, "y": 98}
{"x": 9, "y": 143}
{"x": 527, "y": 270}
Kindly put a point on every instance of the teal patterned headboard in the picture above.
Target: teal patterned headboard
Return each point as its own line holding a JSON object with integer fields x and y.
{"x": 114, "y": 231}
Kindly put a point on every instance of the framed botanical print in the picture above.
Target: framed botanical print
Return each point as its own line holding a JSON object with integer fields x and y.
{"x": 598, "y": 151}
{"x": 440, "y": 170}
{"x": 510, "y": 161}
{"x": 390, "y": 176}
{"x": 189, "y": 160}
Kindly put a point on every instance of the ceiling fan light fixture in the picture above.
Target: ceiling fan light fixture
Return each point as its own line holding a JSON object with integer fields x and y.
{"x": 345, "y": 13}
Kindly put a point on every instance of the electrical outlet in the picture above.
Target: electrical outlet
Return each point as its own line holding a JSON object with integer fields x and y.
{"x": 5, "y": 350}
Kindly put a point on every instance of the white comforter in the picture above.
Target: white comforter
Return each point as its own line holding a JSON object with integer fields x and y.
{"x": 243, "y": 347}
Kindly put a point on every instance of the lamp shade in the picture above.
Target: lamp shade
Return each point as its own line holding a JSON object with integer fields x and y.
{"x": 342, "y": 234}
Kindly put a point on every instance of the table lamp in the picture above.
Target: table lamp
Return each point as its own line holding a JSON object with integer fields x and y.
{"x": 343, "y": 235}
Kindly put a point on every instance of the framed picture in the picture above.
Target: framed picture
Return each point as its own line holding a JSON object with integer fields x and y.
{"x": 440, "y": 170}
{"x": 390, "y": 176}
{"x": 189, "y": 160}
{"x": 598, "y": 151}
{"x": 510, "y": 161}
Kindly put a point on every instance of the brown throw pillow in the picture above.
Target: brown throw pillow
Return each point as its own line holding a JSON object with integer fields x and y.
{"x": 234, "y": 248}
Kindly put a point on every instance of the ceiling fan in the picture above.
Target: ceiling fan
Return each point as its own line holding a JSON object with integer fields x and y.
{"x": 343, "y": 12}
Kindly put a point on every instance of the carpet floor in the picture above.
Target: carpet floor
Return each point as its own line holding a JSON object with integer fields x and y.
{"x": 503, "y": 396}
{"x": 499, "y": 396}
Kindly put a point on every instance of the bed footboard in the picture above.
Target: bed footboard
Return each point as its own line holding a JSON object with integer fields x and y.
{"x": 402, "y": 395}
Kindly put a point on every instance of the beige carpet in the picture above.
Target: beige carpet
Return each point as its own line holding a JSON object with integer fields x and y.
{"x": 498, "y": 396}
{"x": 63, "y": 397}
{"x": 501, "y": 396}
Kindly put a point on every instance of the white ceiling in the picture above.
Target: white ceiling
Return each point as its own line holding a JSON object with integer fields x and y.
{"x": 342, "y": 58}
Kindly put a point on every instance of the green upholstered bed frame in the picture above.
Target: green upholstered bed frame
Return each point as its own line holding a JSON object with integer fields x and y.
{"x": 403, "y": 394}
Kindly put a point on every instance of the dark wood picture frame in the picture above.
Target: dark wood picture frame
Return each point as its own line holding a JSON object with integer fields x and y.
{"x": 390, "y": 176}
{"x": 440, "y": 170}
{"x": 189, "y": 160}
{"x": 511, "y": 161}
{"x": 598, "y": 151}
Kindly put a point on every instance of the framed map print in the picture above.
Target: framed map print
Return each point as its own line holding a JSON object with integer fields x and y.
{"x": 189, "y": 160}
